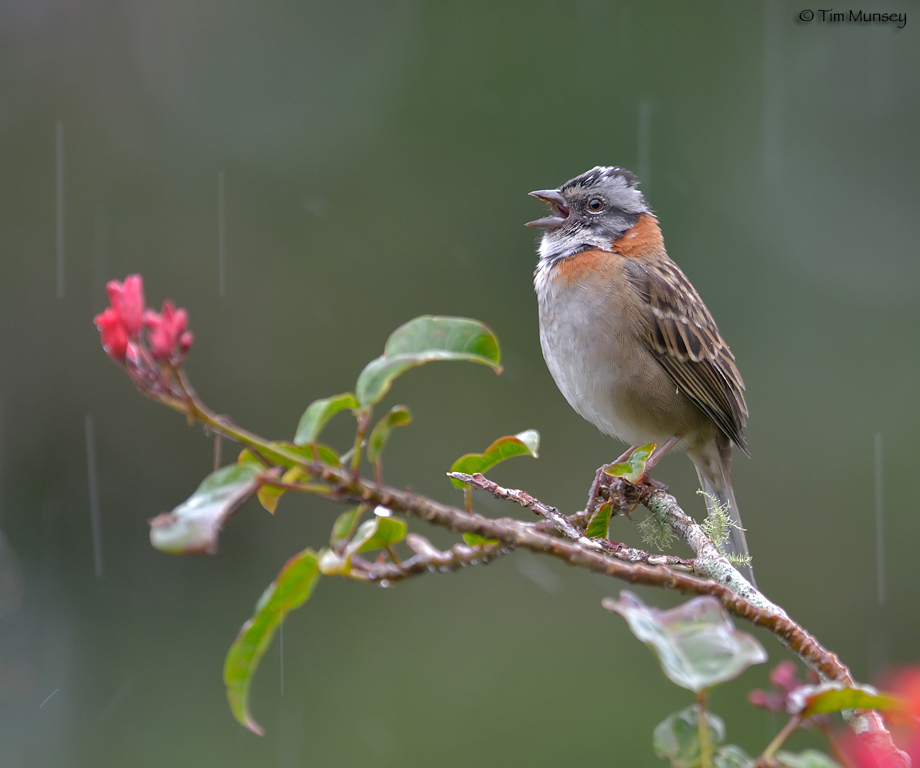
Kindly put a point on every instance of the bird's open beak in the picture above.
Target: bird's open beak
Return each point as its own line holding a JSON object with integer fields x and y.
{"x": 554, "y": 198}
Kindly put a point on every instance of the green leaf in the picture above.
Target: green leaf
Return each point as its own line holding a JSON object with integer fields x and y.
{"x": 398, "y": 416}
{"x": 343, "y": 527}
{"x": 248, "y": 457}
{"x": 194, "y": 525}
{"x": 525, "y": 443}
{"x": 600, "y": 523}
{"x": 290, "y": 589}
{"x": 677, "y": 737}
{"x": 810, "y": 758}
{"x": 318, "y": 414}
{"x": 809, "y": 700}
{"x": 376, "y": 533}
{"x": 269, "y": 495}
{"x": 424, "y": 340}
{"x": 305, "y": 452}
{"x": 697, "y": 644}
{"x": 324, "y": 454}
{"x": 634, "y": 467}
{"x": 475, "y": 540}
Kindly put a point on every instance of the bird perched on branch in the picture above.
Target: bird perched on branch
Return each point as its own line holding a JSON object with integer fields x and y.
{"x": 628, "y": 339}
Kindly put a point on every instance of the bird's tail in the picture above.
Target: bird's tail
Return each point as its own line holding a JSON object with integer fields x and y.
{"x": 716, "y": 482}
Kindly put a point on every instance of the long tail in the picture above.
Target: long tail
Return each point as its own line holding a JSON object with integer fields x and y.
{"x": 714, "y": 472}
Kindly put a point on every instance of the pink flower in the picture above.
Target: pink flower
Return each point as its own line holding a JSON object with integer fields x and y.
{"x": 114, "y": 336}
{"x": 127, "y": 299}
{"x": 166, "y": 329}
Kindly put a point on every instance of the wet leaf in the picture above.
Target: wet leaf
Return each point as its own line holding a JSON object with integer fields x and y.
{"x": 290, "y": 589}
{"x": 423, "y": 340}
{"x": 398, "y": 416}
{"x": 525, "y": 443}
{"x": 600, "y": 523}
{"x": 376, "y": 533}
{"x": 809, "y": 700}
{"x": 634, "y": 467}
{"x": 194, "y": 525}
{"x": 697, "y": 644}
{"x": 677, "y": 737}
{"x": 318, "y": 414}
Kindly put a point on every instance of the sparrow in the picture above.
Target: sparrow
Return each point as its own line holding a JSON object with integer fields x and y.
{"x": 628, "y": 340}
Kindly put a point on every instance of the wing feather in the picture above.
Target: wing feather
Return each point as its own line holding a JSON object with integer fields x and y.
{"x": 685, "y": 340}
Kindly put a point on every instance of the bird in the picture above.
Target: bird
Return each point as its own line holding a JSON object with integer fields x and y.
{"x": 628, "y": 340}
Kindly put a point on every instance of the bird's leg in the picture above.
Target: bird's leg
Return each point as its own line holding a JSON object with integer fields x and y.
{"x": 598, "y": 478}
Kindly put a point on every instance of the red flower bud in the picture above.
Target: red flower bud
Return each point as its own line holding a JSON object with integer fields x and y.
{"x": 127, "y": 299}
{"x": 165, "y": 329}
{"x": 114, "y": 337}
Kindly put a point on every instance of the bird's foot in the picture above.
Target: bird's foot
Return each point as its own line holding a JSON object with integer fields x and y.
{"x": 624, "y": 494}
{"x": 597, "y": 491}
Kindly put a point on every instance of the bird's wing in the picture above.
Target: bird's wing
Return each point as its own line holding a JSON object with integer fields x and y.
{"x": 684, "y": 338}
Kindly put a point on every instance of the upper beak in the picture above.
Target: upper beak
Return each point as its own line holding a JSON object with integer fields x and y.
{"x": 554, "y": 198}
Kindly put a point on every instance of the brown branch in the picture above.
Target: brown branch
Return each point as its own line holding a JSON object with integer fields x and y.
{"x": 426, "y": 559}
{"x": 567, "y": 527}
{"x": 513, "y": 533}
{"x": 750, "y": 605}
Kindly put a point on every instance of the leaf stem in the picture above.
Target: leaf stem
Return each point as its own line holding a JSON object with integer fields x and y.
{"x": 705, "y": 743}
{"x": 193, "y": 408}
{"x": 392, "y": 554}
{"x": 364, "y": 419}
{"x": 794, "y": 722}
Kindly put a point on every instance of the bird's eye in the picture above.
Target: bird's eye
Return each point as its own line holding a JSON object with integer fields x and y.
{"x": 595, "y": 204}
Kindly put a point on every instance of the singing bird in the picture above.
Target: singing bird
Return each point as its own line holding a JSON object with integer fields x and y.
{"x": 627, "y": 338}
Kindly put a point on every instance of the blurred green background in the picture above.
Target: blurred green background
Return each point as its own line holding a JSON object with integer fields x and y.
{"x": 374, "y": 160}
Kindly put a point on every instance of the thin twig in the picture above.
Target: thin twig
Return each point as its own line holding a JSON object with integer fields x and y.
{"x": 427, "y": 559}
{"x": 566, "y": 527}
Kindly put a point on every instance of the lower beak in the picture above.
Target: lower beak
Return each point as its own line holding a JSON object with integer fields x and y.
{"x": 553, "y": 198}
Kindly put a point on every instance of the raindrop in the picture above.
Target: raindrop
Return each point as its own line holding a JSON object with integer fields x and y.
{"x": 221, "y": 238}
{"x": 48, "y": 698}
{"x": 773, "y": 91}
{"x": 645, "y": 142}
{"x": 534, "y": 570}
{"x": 879, "y": 520}
{"x": 59, "y": 190}
{"x": 385, "y": 583}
